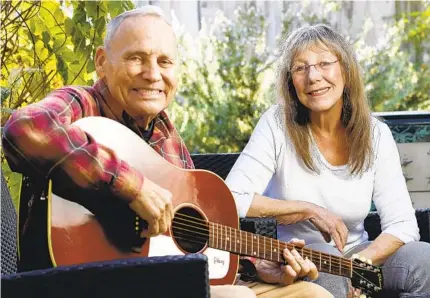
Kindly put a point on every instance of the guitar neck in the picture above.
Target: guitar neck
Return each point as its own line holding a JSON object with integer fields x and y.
{"x": 248, "y": 244}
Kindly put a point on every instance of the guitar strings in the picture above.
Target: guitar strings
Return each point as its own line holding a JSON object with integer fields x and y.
{"x": 333, "y": 259}
{"x": 354, "y": 272}
{"x": 193, "y": 238}
{"x": 290, "y": 246}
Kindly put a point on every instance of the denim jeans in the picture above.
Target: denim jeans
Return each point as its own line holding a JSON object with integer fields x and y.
{"x": 406, "y": 272}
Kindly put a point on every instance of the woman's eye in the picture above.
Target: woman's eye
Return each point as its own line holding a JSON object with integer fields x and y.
{"x": 324, "y": 63}
{"x": 300, "y": 68}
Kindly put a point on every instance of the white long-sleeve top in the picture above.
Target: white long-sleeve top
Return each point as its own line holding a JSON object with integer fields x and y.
{"x": 270, "y": 166}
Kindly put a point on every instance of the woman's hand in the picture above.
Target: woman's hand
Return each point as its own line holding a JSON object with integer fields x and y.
{"x": 296, "y": 267}
{"x": 330, "y": 225}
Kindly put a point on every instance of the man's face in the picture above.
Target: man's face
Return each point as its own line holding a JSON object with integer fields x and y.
{"x": 139, "y": 66}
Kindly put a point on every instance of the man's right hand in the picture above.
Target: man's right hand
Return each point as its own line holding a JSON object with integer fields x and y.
{"x": 154, "y": 204}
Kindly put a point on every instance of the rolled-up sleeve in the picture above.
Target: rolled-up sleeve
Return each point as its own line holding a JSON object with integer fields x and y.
{"x": 40, "y": 139}
{"x": 256, "y": 164}
{"x": 390, "y": 193}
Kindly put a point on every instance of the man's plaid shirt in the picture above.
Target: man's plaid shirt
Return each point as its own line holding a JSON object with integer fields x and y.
{"x": 39, "y": 140}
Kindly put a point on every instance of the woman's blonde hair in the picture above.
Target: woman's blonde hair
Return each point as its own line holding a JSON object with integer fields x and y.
{"x": 356, "y": 116}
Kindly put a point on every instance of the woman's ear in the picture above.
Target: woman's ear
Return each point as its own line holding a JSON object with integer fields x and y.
{"x": 99, "y": 61}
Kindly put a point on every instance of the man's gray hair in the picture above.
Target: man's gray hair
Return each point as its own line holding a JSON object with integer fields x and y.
{"x": 147, "y": 10}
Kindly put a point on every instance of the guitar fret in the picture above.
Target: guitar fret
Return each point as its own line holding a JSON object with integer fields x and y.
{"x": 218, "y": 239}
{"x": 264, "y": 246}
{"x": 320, "y": 261}
{"x": 271, "y": 249}
{"x": 226, "y": 238}
{"x": 278, "y": 251}
{"x": 213, "y": 235}
{"x": 230, "y": 238}
{"x": 258, "y": 245}
{"x": 340, "y": 266}
{"x": 252, "y": 246}
{"x": 329, "y": 270}
{"x": 240, "y": 236}
{"x": 235, "y": 240}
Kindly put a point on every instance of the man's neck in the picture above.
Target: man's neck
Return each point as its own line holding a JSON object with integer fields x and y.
{"x": 143, "y": 122}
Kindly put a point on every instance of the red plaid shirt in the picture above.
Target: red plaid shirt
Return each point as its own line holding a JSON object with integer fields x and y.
{"x": 38, "y": 140}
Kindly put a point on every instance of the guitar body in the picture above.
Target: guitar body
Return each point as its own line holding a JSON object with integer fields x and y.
{"x": 76, "y": 235}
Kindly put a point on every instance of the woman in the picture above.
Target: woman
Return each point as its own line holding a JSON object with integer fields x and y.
{"x": 316, "y": 160}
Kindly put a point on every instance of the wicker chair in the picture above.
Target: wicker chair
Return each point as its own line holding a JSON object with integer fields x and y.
{"x": 222, "y": 164}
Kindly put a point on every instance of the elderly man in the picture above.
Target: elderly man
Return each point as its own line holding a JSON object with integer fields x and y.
{"x": 137, "y": 81}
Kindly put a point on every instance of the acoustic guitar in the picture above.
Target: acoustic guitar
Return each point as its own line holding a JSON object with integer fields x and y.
{"x": 205, "y": 220}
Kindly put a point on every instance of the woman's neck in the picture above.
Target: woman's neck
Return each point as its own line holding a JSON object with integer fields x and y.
{"x": 326, "y": 124}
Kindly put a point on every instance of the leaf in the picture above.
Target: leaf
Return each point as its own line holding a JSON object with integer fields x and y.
{"x": 13, "y": 181}
{"x": 69, "y": 26}
{"x": 92, "y": 8}
{"x": 46, "y": 37}
{"x": 90, "y": 67}
{"x": 4, "y": 94}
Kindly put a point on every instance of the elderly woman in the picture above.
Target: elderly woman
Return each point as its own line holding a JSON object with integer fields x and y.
{"x": 317, "y": 159}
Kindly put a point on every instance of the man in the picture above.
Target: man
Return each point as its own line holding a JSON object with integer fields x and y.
{"x": 137, "y": 81}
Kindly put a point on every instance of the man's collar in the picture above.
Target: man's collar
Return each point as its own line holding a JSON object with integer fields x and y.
{"x": 117, "y": 110}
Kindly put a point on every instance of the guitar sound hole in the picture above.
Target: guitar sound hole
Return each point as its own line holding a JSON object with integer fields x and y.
{"x": 190, "y": 230}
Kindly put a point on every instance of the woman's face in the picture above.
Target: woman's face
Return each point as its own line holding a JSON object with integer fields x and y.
{"x": 317, "y": 78}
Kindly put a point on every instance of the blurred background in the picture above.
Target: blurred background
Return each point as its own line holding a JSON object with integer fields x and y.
{"x": 228, "y": 55}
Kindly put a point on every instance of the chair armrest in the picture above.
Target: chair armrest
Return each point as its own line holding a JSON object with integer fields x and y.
{"x": 373, "y": 226}
{"x": 168, "y": 276}
{"x": 261, "y": 226}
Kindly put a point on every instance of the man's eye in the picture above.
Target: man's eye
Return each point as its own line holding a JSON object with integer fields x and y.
{"x": 134, "y": 59}
{"x": 165, "y": 62}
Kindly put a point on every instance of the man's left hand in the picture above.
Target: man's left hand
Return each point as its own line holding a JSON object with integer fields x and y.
{"x": 296, "y": 267}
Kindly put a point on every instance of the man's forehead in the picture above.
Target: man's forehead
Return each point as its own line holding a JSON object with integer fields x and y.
{"x": 145, "y": 34}
{"x": 146, "y": 24}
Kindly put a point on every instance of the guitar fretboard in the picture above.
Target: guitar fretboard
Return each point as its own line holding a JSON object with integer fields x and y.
{"x": 248, "y": 244}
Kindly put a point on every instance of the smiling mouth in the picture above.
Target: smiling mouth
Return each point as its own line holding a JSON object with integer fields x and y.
{"x": 147, "y": 92}
{"x": 319, "y": 91}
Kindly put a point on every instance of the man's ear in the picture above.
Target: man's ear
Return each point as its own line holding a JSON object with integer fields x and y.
{"x": 100, "y": 60}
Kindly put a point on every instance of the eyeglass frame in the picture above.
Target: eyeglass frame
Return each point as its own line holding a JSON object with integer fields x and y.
{"x": 317, "y": 66}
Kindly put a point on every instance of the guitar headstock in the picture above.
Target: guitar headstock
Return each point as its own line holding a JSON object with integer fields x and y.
{"x": 366, "y": 277}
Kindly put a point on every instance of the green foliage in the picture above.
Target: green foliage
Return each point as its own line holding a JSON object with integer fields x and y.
{"x": 395, "y": 75}
{"x": 45, "y": 45}
{"x": 224, "y": 75}
{"x": 13, "y": 180}
{"x": 227, "y": 75}
{"x": 48, "y": 44}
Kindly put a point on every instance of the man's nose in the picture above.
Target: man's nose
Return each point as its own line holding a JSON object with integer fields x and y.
{"x": 314, "y": 74}
{"x": 151, "y": 72}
